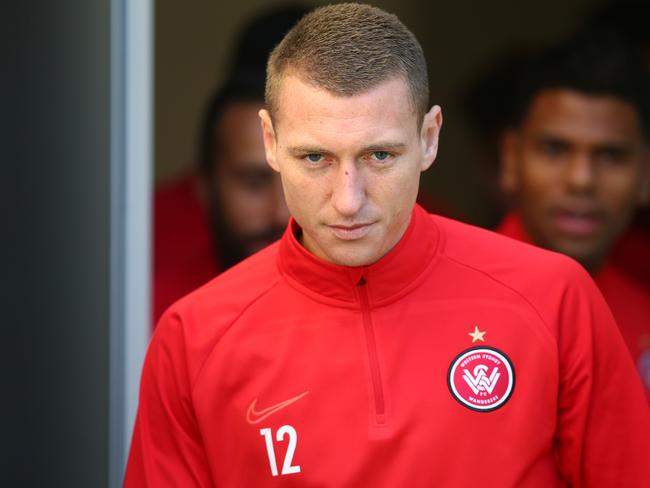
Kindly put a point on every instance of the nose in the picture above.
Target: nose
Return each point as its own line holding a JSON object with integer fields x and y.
{"x": 348, "y": 189}
{"x": 580, "y": 173}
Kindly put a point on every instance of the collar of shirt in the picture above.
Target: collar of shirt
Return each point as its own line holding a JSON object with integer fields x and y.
{"x": 399, "y": 271}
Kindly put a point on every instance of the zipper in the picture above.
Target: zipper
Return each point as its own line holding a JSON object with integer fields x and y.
{"x": 373, "y": 359}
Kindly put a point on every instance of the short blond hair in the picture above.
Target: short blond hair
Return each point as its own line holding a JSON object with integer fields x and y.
{"x": 348, "y": 49}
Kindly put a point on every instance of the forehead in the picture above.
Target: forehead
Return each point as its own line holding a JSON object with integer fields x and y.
{"x": 307, "y": 111}
{"x": 238, "y": 132}
{"x": 583, "y": 118}
{"x": 239, "y": 119}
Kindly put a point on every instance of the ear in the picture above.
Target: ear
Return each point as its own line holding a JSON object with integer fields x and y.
{"x": 509, "y": 158}
{"x": 270, "y": 143}
{"x": 429, "y": 136}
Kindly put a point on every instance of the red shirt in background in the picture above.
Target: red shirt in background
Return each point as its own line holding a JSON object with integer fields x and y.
{"x": 184, "y": 249}
{"x": 627, "y": 297}
{"x": 632, "y": 253}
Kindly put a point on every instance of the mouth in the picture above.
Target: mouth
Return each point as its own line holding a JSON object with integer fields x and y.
{"x": 578, "y": 224}
{"x": 351, "y": 232}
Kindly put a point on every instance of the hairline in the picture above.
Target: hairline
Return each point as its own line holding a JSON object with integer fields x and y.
{"x": 292, "y": 71}
{"x": 644, "y": 129}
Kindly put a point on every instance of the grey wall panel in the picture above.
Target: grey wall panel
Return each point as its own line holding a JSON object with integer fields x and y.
{"x": 131, "y": 121}
{"x": 55, "y": 242}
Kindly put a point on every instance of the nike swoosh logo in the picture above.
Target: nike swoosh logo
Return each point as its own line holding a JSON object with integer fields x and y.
{"x": 255, "y": 417}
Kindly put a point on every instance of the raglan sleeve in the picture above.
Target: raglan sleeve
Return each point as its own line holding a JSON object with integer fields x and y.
{"x": 166, "y": 447}
{"x": 603, "y": 421}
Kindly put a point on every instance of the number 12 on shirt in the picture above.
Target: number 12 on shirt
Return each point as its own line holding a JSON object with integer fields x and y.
{"x": 283, "y": 431}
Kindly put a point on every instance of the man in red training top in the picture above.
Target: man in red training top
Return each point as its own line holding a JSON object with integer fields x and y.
{"x": 376, "y": 345}
{"x": 578, "y": 165}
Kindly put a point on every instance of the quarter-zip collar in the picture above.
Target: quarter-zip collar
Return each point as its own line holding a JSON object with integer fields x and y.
{"x": 393, "y": 275}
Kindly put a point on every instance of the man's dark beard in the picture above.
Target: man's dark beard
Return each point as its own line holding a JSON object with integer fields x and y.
{"x": 228, "y": 249}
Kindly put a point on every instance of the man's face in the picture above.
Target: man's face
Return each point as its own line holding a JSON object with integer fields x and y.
{"x": 248, "y": 201}
{"x": 578, "y": 166}
{"x": 350, "y": 166}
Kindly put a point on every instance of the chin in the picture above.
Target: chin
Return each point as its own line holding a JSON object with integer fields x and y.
{"x": 352, "y": 259}
{"x": 586, "y": 254}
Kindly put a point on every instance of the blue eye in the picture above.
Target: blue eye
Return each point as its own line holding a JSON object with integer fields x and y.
{"x": 314, "y": 157}
{"x": 381, "y": 155}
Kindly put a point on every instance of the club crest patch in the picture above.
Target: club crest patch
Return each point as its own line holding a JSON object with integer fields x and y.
{"x": 481, "y": 378}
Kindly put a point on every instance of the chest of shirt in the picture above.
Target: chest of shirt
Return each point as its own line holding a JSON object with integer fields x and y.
{"x": 330, "y": 395}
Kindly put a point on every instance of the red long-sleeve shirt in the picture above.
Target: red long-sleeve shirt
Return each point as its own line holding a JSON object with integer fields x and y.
{"x": 461, "y": 358}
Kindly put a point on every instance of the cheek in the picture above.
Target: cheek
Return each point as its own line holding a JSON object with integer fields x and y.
{"x": 399, "y": 192}
{"x": 251, "y": 201}
{"x": 621, "y": 193}
{"x": 538, "y": 184}
{"x": 300, "y": 193}
{"x": 297, "y": 195}
{"x": 244, "y": 209}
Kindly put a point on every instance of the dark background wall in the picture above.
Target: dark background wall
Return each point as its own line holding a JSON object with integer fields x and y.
{"x": 55, "y": 243}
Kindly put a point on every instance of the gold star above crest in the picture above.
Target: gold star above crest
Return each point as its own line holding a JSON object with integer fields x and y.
{"x": 477, "y": 335}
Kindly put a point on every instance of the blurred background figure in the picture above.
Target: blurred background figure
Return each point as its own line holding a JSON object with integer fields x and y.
{"x": 489, "y": 105}
{"x": 231, "y": 204}
{"x": 576, "y": 163}
{"x": 629, "y": 19}
{"x": 490, "y": 108}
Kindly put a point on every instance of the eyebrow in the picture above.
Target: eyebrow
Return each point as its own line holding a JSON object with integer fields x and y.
{"x": 383, "y": 146}
{"x": 379, "y": 146}
{"x": 548, "y": 137}
{"x": 619, "y": 148}
{"x": 306, "y": 150}
{"x": 606, "y": 144}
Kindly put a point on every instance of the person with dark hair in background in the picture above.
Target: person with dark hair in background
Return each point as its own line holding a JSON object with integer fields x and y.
{"x": 245, "y": 199}
{"x": 629, "y": 20}
{"x": 232, "y": 204}
{"x": 375, "y": 344}
{"x": 577, "y": 163}
{"x": 241, "y": 207}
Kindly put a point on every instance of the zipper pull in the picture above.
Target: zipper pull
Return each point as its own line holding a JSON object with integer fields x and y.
{"x": 362, "y": 281}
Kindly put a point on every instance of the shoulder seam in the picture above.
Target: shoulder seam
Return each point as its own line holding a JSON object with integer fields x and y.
{"x": 243, "y": 310}
{"x": 517, "y": 292}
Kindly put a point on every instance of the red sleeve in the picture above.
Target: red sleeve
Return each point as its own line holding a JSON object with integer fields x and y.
{"x": 166, "y": 449}
{"x": 603, "y": 431}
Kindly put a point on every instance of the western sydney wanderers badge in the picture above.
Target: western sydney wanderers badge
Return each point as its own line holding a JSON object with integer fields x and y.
{"x": 481, "y": 378}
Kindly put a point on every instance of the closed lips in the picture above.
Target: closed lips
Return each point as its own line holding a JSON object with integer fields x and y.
{"x": 350, "y": 232}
